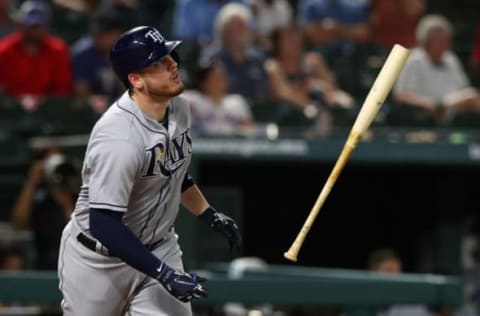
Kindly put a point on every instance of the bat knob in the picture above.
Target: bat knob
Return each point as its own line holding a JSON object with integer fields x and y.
{"x": 290, "y": 256}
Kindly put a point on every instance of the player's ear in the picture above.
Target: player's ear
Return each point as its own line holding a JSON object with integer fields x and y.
{"x": 136, "y": 81}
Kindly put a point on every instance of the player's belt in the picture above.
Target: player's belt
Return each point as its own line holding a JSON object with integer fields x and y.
{"x": 92, "y": 244}
{"x": 99, "y": 248}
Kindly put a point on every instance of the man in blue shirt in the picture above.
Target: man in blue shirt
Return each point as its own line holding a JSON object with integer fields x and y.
{"x": 194, "y": 19}
{"x": 335, "y": 25}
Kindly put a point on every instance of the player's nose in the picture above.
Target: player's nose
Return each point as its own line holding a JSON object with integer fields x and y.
{"x": 171, "y": 63}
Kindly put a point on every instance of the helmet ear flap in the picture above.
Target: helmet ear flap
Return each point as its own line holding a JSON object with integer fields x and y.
{"x": 175, "y": 56}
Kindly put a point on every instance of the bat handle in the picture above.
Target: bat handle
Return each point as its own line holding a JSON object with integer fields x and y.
{"x": 292, "y": 253}
{"x": 352, "y": 141}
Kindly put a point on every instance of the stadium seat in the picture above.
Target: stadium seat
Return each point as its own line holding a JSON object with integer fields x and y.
{"x": 15, "y": 119}
{"x": 10, "y": 187}
{"x": 403, "y": 116}
{"x": 280, "y": 112}
{"x": 69, "y": 25}
{"x": 14, "y": 161}
{"x": 60, "y": 116}
{"x": 465, "y": 120}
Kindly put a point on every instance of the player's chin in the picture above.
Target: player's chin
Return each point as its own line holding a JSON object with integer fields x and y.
{"x": 179, "y": 88}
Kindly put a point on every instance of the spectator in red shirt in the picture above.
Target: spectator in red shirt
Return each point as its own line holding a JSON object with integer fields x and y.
{"x": 32, "y": 62}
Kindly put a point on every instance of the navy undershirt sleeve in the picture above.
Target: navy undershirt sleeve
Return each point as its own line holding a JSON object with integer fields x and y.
{"x": 107, "y": 227}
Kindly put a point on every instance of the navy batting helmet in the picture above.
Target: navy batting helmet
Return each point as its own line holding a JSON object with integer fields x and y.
{"x": 139, "y": 48}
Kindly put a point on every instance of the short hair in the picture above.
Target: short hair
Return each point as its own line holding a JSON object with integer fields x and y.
{"x": 380, "y": 255}
{"x": 227, "y": 13}
{"x": 430, "y": 24}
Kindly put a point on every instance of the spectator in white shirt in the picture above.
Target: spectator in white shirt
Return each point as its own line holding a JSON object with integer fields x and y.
{"x": 433, "y": 79}
{"x": 214, "y": 111}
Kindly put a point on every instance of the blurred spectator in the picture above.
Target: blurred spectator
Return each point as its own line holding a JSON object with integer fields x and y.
{"x": 433, "y": 79}
{"x": 234, "y": 47}
{"x": 6, "y": 23}
{"x": 194, "y": 19}
{"x": 12, "y": 258}
{"x": 45, "y": 203}
{"x": 214, "y": 111}
{"x": 387, "y": 261}
{"x": 299, "y": 77}
{"x": 32, "y": 62}
{"x": 93, "y": 75}
{"x": 335, "y": 25}
{"x": 268, "y": 16}
{"x": 395, "y": 21}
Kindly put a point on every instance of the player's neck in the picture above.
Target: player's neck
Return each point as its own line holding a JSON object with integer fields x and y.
{"x": 154, "y": 108}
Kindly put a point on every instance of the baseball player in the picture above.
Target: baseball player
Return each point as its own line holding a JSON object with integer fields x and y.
{"x": 119, "y": 253}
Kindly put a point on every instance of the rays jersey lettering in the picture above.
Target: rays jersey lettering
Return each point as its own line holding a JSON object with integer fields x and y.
{"x": 166, "y": 159}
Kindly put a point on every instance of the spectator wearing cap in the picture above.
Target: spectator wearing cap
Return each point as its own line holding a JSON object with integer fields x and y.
{"x": 93, "y": 75}
{"x": 33, "y": 62}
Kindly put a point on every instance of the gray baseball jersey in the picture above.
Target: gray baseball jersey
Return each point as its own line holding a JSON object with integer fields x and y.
{"x": 135, "y": 165}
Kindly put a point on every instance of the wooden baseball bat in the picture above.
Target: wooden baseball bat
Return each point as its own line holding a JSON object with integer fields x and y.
{"x": 378, "y": 92}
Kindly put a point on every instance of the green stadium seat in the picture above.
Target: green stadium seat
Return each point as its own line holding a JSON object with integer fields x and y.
{"x": 13, "y": 148}
{"x": 10, "y": 187}
{"x": 69, "y": 25}
{"x": 60, "y": 116}
{"x": 399, "y": 115}
{"x": 466, "y": 120}
{"x": 280, "y": 112}
{"x": 14, "y": 119}
{"x": 14, "y": 161}
{"x": 263, "y": 111}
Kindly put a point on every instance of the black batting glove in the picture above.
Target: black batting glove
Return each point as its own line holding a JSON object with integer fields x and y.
{"x": 184, "y": 286}
{"x": 224, "y": 225}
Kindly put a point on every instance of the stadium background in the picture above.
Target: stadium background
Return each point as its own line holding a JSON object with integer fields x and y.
{"x": 410, "y": 188}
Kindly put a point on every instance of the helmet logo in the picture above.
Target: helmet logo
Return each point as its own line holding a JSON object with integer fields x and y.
{"x": 155, "y": 36}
